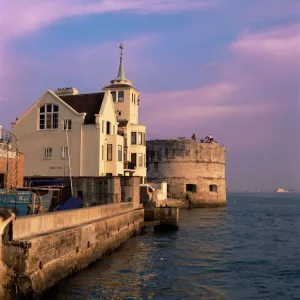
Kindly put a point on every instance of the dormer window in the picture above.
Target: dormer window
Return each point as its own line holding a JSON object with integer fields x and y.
{"x": 49, "y": 116}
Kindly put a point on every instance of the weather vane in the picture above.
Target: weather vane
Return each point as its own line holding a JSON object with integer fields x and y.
{"x": 121, "y": 48}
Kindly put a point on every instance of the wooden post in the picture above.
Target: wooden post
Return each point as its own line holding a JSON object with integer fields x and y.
{"x": 33, "y": 203}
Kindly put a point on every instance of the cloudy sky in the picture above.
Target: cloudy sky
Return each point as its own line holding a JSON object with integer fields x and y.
{"x": 226, "y": 67}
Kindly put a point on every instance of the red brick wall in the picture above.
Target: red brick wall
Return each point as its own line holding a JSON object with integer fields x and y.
{"x": 15, "y": 173}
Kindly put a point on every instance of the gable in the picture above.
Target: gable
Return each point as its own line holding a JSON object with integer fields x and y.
{"x": 108, "y": 107}
{"x": 42, "y": 100}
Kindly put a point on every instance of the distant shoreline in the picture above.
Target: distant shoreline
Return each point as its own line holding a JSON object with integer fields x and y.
{"x": 262, "y": 192}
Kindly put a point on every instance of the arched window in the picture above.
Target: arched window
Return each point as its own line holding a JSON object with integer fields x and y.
{"x": 49, "y": 116}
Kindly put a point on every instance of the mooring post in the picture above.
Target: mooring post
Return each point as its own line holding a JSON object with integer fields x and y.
{"x": 6, "y": 216}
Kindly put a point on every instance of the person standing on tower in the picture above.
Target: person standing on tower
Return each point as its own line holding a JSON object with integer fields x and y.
{"x": 194, "y": 136}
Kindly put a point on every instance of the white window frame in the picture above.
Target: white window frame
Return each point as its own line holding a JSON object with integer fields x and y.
{"x": 68, "y": 122}
{"x": 64, "y": 152}
{"x": 114, "y": 95}
{"x": 120, "y": 153}
{"x": 48, "y": 153}
{"x": 139, "y": 138}
{"x": 52, "y": 115}
{"x": 109, "y": 152}
{"x": 140, "y": 159}
{"x": 123, "y": 98}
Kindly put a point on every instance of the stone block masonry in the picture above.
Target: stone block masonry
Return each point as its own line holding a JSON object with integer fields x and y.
{"x": 194, "y": 171}
{"x": 37, "y": 259}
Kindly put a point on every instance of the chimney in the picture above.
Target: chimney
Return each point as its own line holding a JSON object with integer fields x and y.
{"x": 67, "y": 91}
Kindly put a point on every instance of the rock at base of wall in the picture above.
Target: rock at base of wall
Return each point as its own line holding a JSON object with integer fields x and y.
{"x": 204, "y": 204}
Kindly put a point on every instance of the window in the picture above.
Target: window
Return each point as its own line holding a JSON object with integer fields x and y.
{"x": 114, "y": 96}
{"x": 133, "y": 138}
{"x": 48, "y": 152}
{"x": 49, "y": 116}
{"x": 67, "y": 124}
{"x": 191, "y": 188}
{"x": 155, "y": 165}
{"x": 144, "y": 160}
{"x": 140, "y": 159}
{"x": 107, "y": 127}
{"x": 213, "y": 188}
{"x": 109, "y": 152}
{"x": 103, "y": 126}
{"x": 64, "y": 152}
{"x": 133, "y": 159}
{"x": 102, "y": 152}
{"x": 158, "y": 155}
{"x": 113, "y": 129}
{"x": 120, "y": 154}
{"x": 120, "y": 96}
{"x": 140, "y": 138}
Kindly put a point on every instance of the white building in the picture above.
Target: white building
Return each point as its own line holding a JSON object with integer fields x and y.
{"x": 95, "y": 134}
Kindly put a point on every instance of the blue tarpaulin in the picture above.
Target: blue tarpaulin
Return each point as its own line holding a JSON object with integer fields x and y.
{"x": 71, "y": 203}
{"x": 47, "y": 182}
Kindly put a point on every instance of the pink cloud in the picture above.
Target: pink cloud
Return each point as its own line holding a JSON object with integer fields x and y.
{"x": 22, "y": 17}
{"x": 272, "y": 10}
{"x": 254, "y": 97}
{"x": 279, "y": 44}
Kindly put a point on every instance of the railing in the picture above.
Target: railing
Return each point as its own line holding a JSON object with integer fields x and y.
{"x": 129, "y": 165}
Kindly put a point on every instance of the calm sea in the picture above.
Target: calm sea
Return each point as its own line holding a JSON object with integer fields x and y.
{"x": 248, "y": 250}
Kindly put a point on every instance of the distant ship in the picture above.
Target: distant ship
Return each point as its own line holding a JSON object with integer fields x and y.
{"x": 279, "y": 190}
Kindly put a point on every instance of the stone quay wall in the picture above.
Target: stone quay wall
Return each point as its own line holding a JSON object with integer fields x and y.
{"x": 194, "y": 171}
{"x": 46, "y": 248}
{"x": 39, "y": 250}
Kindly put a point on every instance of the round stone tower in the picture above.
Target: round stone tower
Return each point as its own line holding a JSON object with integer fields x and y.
{"x": 194, "y": 171}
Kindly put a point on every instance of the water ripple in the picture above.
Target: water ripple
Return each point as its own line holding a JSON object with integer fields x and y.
{"x": 248, "y": 250}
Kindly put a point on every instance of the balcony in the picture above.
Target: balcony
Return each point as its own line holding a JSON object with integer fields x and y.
{"x": 129, "y": 165}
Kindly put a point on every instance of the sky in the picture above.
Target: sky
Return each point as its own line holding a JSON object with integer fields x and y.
{"x": 226, "y": 67}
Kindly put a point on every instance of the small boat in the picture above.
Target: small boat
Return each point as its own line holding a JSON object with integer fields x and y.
{"x": 26, "y": 202}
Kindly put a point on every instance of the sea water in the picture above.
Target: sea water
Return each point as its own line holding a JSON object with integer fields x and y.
{"x": 247, "y": 250}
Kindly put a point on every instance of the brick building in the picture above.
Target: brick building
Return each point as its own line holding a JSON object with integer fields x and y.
{"x": 11, "y": 169}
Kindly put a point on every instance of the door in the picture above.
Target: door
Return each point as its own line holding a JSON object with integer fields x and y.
{"x": 1, "y": 181}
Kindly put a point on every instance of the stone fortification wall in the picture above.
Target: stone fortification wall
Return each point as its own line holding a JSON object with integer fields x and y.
{"x": 35, "y": 260}
{"x": 194, "y": 171}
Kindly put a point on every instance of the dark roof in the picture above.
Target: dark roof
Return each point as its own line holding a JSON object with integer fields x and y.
{"x": 122, "y": 123}
{"x": 117, "y": 86}
{"x": 85, "y": 103}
